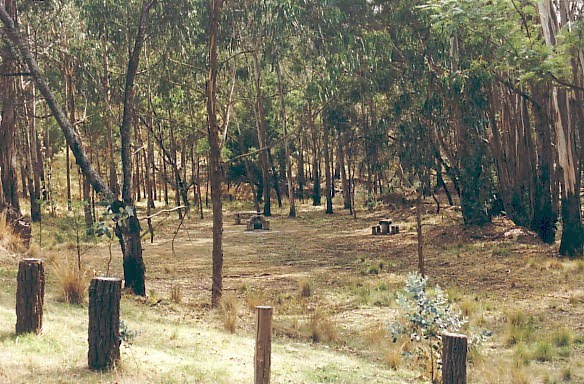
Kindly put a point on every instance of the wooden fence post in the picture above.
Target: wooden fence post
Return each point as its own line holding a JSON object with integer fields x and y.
{"x": 263, "y": 349}
{"x": 30, "y": 296}
{"x": 104, "y": 322}
{"x": 454, "y": 348}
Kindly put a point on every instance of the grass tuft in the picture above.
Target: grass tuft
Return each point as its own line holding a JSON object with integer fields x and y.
{"x": 322, "y": 328}
{"x": 8, "y": 240}
{"x": 305, "y": 288}
{"x": 519, "y": 328}
{"x": 543, "y": 351}
{"x": 229, "y": 312}
{"x": 175, "y": 294}
{"x": 393, "y": 358}
{"x": 73, "y": 282}
{"x": 562, "y": 337}
{"x": 519, "y": 375}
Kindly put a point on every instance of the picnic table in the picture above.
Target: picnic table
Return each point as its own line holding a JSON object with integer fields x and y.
{"x": 239, "y": 216}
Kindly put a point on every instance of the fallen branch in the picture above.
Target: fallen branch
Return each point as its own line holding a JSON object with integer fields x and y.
{"x": 163, "y": 211}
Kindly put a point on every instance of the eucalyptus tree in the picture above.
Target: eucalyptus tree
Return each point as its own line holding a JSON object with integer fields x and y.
{"x": 127, "y": 225}
{"x": 215, "y": 9}
{"x": 566, "y": 17}
{"x": 520, "y": 76}
{"x": 8, "y": 177}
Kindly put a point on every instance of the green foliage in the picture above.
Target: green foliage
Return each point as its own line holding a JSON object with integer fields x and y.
{"x": 127, "y": 335}
{"x": 424, "y": 318}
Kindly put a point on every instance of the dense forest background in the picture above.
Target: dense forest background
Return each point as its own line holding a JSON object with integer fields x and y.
{"x": 186, "y": 103}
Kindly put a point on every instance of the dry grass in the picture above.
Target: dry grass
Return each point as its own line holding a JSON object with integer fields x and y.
{"x": 73, "y": 282}
{"x": 8, "y": 240}
{"x": 519, "y": 328}
{"x": 322, "y": 328}
{"x": 229, "y": 308}
{"x": 468, "y": 307}
{"x": 253, "y": 299}
{"x": 519, "y": 375}
{"x": 393, "y": 358}
{"x": 305, "y": 288}
{"x": 175, "y": 294}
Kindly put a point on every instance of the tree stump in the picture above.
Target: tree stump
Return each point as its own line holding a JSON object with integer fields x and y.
{"x": 104, "y": 322}
{"x": 263, "y": 349}
{"x": 30, "y": 296}
{"x": 454, "y": 348}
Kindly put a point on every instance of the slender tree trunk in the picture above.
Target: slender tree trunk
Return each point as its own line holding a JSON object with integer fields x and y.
{"x": 291, "y": 196}
{"x": 262, "y": 136}
{"x": 544, "y": 217}
{"x": 343, "y": 171}
{"x": 316, "y": 194}
{"x": 113, "y": 176}
{"x": 164, "y": 179}
{"x": 300, "y": 172}
{"x": 215, "y": 154}
{"x": 328, "y": 170}
{"x": 174, "y": 159}
{"x": 248, "y": 171}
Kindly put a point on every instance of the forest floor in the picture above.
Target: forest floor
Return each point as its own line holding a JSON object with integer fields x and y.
{"x": 333, "y": 287}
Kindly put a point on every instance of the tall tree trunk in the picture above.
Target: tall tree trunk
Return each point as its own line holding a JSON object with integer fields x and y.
{"x": 544, "y": 217}
{"x": 215, "y": 154}
{"x": 69, "y": 110}
{"x": 291, "y": 196}
{"x": 343, "y": 171}
{"x": 164, "y": 179}
{"x": 8, "y": 178}
{"x": 128, "y": 230}
{"x": 328, "y": 170}
{"x": 32, "y": 153}
{"x": 262, "y": 135}
{"x": 300, "y": 171}
{"x": 112, "y": 169}
{"x": 173, "y": 159}
{"x": 564, "y": 119}
{"x": 316, "y": 194}
{"x": 248, "y": 171}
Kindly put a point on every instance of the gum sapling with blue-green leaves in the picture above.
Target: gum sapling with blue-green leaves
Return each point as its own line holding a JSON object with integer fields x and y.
{"x": 107, "y": 226}
{"x": 424, "y": 317}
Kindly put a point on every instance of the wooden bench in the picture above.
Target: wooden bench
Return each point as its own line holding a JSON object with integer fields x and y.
{"x": 243, "y": 217}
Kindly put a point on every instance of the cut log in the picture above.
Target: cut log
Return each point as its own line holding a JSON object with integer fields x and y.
{"x": 454, "y": 347}
{"x": 104, "y": 322}
{"x": 30, "y": 296}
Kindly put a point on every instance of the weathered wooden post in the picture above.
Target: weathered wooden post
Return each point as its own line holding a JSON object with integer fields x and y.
{"x": 454, "y": 348}
{"x": 263, "y": 349}
{"x": 30, "y": 296}
{"x": 104, "y": 322}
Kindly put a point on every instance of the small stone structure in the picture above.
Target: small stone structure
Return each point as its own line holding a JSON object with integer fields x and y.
{"x": 258, "y": 221}
{"x": 384, "y": 228}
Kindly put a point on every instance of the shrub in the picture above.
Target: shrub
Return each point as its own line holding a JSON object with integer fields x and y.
{"x": 127, "y": 335}
{"x": 424, "y": 318}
